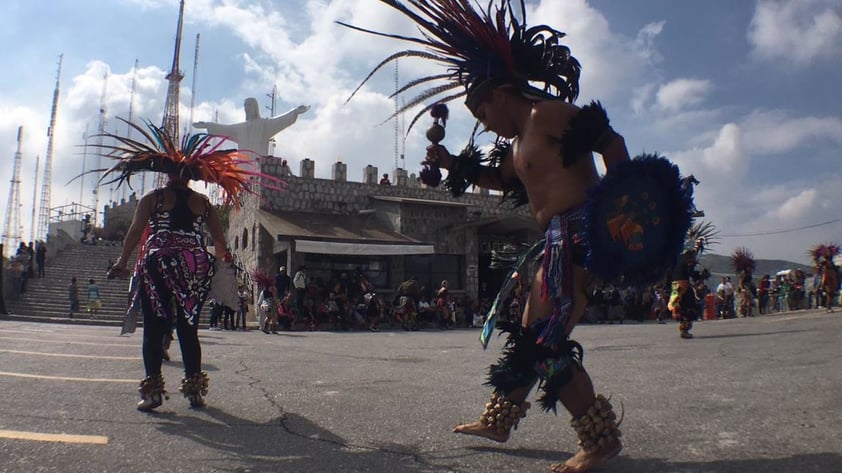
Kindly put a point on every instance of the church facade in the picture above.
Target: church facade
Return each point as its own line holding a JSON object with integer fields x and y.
{"x": 389, "y": 232}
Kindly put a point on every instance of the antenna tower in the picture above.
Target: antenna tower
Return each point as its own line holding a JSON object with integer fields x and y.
{"x": 11, "y": 228}
{"x": 397, "y": 117}
{"x": 193, "y": 85}
{"x": 100, "y": 133}
{"x": 47, "y": 179}
{"x": 84, "y": 164}
{"x": 271, "y": 107}
{"x": 131, "y": 118}
{"x": 32, "y": 236}
{"x": 170, "y": 122}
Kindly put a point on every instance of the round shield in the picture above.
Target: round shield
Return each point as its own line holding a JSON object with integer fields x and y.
{"x": 637, "y": 219}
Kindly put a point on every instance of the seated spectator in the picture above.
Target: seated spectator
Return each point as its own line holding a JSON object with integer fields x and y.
{"x": 384, "y": 181}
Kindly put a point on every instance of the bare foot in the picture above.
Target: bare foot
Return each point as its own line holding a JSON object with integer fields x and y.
{"x": 479, "y": 430}
{"x": 584, "y": 461}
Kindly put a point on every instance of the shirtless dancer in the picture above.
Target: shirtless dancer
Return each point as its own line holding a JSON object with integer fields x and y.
{"x": 536, "y": 126}
{"x": 496, "y": 61}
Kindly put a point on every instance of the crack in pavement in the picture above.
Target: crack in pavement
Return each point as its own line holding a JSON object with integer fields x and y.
{"x": 255, "y": 383}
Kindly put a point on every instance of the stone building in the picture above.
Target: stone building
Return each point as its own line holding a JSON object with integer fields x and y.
{"x": 390, "y": 232}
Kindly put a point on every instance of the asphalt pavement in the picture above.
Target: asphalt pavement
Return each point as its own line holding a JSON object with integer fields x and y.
{"x": 758, "y": 395}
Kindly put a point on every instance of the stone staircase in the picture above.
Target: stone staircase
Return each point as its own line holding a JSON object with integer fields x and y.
{"x": 47, "y": 298}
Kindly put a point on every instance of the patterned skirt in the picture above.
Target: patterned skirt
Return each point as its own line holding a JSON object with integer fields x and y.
{"x": 176, "y": 272}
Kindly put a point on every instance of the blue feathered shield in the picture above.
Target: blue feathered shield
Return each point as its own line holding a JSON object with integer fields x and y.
{"x": 637, "y": 218}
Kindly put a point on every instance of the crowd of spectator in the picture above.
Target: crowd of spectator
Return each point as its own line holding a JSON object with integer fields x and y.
{"x": 349, "y": 301}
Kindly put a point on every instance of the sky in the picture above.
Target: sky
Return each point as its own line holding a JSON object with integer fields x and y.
{"x": 743, "y": 95}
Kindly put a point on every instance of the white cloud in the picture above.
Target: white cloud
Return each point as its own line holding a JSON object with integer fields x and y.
{"x": 681, "y": 93}
{"x": 800, "y": 31}
{"x": 773, "y": 131}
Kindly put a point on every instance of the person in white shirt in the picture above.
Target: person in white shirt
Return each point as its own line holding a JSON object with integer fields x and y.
{"x": 299, "y": 283}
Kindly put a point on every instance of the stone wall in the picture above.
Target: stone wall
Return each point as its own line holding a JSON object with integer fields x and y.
{"x": 118, "y": 217}
{"x": 441, "y": 222}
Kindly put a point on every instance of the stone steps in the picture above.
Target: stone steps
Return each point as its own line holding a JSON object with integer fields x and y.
{"x": 47, "y": 298}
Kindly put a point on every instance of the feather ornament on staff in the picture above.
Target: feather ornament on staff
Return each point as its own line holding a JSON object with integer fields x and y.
{"x": 431, "y": 172}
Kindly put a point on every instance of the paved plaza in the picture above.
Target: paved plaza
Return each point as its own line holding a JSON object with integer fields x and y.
{"x": 755, "y": 395}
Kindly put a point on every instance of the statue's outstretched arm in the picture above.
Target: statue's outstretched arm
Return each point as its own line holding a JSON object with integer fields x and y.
{"x": 216, "y": 128}
{"x": 276, "y": 124}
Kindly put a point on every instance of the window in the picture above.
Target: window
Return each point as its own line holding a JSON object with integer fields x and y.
{"x": 430, "y": 270}
{"x": 236, "y": 243}
{"x": 245, "y": 238}
{"x": 331, "y": 267}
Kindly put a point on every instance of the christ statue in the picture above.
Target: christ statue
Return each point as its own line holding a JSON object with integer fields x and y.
{"x": 254, "y": 133}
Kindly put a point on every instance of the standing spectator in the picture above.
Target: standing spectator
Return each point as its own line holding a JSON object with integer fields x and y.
{"x": 774, "y": 292}
{"x": 659, "y": 304}
{"x": 24, "y": 260}
{"x": 41, "y": 258}
{"x": 215, "y": 315}
{"x": 17, "y": 276}
{"x": 73, "y": 294}
{"x": 30, "y": 271}
{"x": 242, "y": 306}
{"x": 285, "y": 169}
{"x": 94, "y": 302}
{"x": 446, "y": 319}
{"x": 809, "y": 291}
{"x": 282, "y": 282}
{"x": 268, "y": 308}
{"x": 730, "y": 291}
{"x": 763, "y": 288}
{"x": 299, "y": 282}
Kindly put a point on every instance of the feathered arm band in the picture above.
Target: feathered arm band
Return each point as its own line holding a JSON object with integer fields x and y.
{"x": 589, "y": 130}
{"x": 465, "y": 170}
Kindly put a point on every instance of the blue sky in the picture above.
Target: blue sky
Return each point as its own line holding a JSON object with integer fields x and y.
{"x": 743, "y": 95}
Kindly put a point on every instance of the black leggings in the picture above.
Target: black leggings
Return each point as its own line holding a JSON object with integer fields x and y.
{"x": 156, "y": 328}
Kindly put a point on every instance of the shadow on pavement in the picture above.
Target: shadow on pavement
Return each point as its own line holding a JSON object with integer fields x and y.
{"x": 286, "y": 443}
{"x": 750, "y": 334}
{"x": 807, "y": 463}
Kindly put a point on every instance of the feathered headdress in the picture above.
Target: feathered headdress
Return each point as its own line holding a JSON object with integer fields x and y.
{"x": 198, "y": 158}
{"x": 743, "y": 261}
{"x": 262, "y": 279}
{"x": 824, "y": 252}
{"x": 700, "y": 236}
{"x": 481, "y": 50}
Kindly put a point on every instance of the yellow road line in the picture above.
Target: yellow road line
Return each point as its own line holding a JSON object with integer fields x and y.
{"x": 65, "y": 378}
{"x": 63, "y": 438}
{"x": 42, "y": 340}
{"x": 64, "y": 355}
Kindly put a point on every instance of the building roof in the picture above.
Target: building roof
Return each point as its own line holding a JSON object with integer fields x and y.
{"x": 330, "y": 227}
{"x": 410, "y": 200}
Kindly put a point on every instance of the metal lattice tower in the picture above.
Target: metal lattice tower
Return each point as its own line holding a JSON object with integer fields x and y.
{"x": 100, "y": 133}
{"x": 47, "y": 183}
{"x": 33, "y": 220}
{"x": 193, "y": 85}
{"x": 129, "y": 127}
{"x": 397, "y": 118}
{"x": 170, "y": 122}
{"x": 12, "y": 231}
